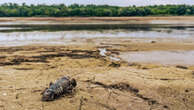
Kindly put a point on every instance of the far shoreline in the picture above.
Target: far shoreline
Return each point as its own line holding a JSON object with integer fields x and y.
{"x": 188, "y": 20}
{"x": 99, "y": 18}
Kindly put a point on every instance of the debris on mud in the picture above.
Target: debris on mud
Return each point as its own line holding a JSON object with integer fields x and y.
{"x": 103, "y": 52}
{"x": 134, "y": 64}
{"x": 81, "y": 103}
{"x": 192, "y": 72}
{"x": 25, "y": 69}
{"x": 114, "y": 64}
{"x": 62, "y": 86}
{"x": 181, "y": 67}
{"x": 153, "y": 42}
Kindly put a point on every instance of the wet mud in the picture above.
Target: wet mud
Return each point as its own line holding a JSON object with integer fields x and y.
{"x": 104, "y": 81}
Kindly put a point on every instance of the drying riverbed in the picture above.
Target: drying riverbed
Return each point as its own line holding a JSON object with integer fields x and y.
{"x": 113, "y": 73}
{"x": 103, "y": 83}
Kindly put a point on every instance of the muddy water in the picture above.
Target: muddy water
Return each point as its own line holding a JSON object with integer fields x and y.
{"x": 160, "y": 57}
{"x": 25, "y": 34}
{"x": 64, "y": 34}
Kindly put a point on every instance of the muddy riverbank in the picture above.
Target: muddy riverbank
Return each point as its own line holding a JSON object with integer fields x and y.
{"x": 103, "y": 83}
{"x": 116, "y": 67}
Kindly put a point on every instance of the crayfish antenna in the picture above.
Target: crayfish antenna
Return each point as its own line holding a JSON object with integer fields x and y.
{"x": 43, "y": 91}
{"x": 51, "y": 83}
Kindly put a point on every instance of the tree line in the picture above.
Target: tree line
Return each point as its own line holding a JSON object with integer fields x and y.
{"x": 61, "y": 10}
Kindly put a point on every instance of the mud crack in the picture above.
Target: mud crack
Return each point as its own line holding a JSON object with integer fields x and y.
{"x": 126, "y": 87}
{"x": 106, "y": 106}
{"x": 119, "y": 86}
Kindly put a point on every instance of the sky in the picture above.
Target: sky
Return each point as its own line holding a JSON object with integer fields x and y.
{"x": 102, "y": 2}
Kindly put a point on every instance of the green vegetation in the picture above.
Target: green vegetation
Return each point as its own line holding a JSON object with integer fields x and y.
{"x": 15, "y": 10}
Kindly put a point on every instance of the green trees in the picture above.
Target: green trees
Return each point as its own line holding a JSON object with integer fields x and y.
{"x": 61, "y": 10}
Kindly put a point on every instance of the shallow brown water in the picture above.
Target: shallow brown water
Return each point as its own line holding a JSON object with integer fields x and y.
{"x": 160, "y": 57}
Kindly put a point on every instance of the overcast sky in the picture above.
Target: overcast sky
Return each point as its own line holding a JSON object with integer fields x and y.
{"x": 100, "y": 2}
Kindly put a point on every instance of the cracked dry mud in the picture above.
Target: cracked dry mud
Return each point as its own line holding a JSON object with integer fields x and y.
{"x": 25, "y": 71}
